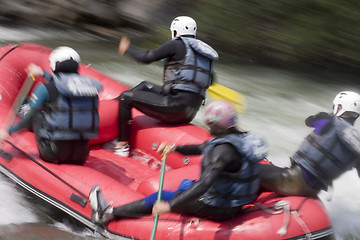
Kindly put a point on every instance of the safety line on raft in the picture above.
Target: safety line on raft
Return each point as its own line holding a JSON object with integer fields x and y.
{"x": 48, "y": 170}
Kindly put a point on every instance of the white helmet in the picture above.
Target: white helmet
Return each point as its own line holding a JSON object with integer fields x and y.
{"x": 183, "y": 25}
{"x": 61, "y": 54}
{"x": 349, "y": 102}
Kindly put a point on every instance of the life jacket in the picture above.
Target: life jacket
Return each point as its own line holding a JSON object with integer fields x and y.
{"x": 236, "y": 188}
{"x": 73, "y": 114}
{"x": 327, "y": 155}
{"x": 194, "y": 72}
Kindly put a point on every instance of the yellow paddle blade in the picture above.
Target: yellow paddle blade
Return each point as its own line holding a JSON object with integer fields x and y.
{"x": 217, "y": 91}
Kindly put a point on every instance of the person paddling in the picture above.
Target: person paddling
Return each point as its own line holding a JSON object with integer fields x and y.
{"x": 64, "y": 110}
{"x": 229, "y": 175}
{"x": 326, "y": 153}
{"x": 188, "y": 72}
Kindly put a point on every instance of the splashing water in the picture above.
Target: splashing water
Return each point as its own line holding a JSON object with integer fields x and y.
{"x": 13, "y": 202}
{"x": 278, "y": 102}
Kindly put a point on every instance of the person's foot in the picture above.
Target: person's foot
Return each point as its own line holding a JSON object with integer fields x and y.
{"x": 117, "y": 148}
{"x": 102, "y": 212}
{"x": 123, "y": 151}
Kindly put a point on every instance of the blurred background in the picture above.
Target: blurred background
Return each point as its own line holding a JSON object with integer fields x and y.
{"x": 306, "y": 35}
{"x": 288, "y": 58}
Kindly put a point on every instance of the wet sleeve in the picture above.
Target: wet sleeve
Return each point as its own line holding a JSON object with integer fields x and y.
{"x": 220, "y": 158}
{"x": 195, "y": 149}
{"x": 148, "y": 56}
{"x": 39, "y": 96}
{"x": 37, "y": 99}
{"x": 24, "y": 122}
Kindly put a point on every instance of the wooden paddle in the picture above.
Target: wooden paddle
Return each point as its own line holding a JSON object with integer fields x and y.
{"x": 29, "y": 81}
{"x": 161, "y": 183}
{"x": 217, "y": 91}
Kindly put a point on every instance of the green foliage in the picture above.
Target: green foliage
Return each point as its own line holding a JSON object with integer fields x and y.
{"x": 315, "y": 32}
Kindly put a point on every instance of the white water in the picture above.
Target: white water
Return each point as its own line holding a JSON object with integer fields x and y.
{"x": 13, "y": 202}
{"x": 278, "y": 102}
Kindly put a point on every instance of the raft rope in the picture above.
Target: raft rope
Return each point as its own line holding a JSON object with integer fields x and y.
{"x": 279, "y": 207}
{"x": 48, "y": 170}
{"x": 302, "y": 225}
{"x": 283, "y": 206}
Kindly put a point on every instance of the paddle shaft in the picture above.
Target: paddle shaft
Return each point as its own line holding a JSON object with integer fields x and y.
{"x": 161, "y": 183}
{"x": 19, "y": 100}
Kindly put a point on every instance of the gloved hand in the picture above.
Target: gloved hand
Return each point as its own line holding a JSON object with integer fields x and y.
{"x": 165, "y": 148}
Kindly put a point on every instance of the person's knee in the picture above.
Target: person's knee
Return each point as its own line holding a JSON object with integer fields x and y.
{"x": 126, "y": 95}
{"x": 126, "y": 98}
{"x": 148, "y": 85}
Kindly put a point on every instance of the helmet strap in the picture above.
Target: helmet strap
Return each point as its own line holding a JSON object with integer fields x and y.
{"x": 188, "y": 36}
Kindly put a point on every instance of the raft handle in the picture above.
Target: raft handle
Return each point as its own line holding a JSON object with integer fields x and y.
{"x": 154, "y": 146}
{"x": 78, "y": 199}
{"x": 5, "y": 155}
{"x": 186, "y": 160}
{"x": 194, "y": 223}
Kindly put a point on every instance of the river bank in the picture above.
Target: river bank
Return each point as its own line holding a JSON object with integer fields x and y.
{"x": 304, "y": 36}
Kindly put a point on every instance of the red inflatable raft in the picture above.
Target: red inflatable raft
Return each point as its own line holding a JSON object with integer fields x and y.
{"x": 123, "y": 180}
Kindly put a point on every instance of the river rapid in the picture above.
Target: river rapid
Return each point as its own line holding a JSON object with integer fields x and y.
{"x": 278, "y": 101}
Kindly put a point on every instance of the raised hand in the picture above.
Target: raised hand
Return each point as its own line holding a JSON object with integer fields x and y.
{"x": 124, "y": 45}
{"x": 34, "y": 70}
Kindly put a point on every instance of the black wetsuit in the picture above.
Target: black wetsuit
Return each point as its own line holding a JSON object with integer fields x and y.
{"x": 224, "y": 158}
{"x": 174, "y": 107}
